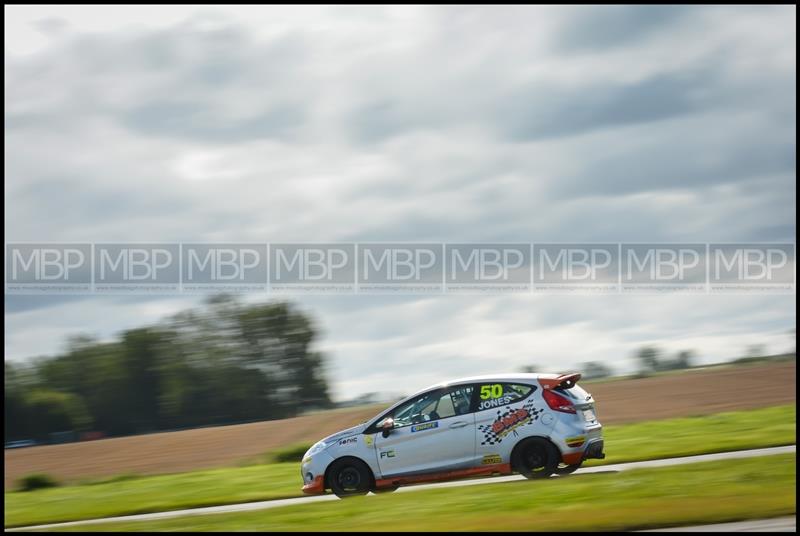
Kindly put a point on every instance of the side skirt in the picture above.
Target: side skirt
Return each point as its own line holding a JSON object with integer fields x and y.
{"x": 486, "y": 470}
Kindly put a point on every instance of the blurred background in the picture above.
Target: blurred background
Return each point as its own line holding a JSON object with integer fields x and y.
{"x": 415, "y": 124}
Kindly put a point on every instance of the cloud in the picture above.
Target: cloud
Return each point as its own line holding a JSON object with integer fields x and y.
{"x": 593, "y": 28}
{"x": 555, "y": 112}
{"x": 191, "y": 120}
{"x": 615, "y": 123}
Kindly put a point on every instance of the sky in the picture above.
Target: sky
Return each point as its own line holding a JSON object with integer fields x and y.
{"x": 412, "y": 124}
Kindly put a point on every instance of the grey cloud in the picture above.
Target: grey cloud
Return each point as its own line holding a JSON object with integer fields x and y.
{"x": 19, "y": 304}
{"x": 51, "y": 25}
{"x": 57, "y": 203}
{"x": 194, "y": 120}
{"x": 168, "y": 83}
{"x": 377, "y": 121}
{"x": 687, "y": 159}
{"x": 772, "y": 233}
{"x": 450, "y": 132}
{"x": 537, "y": 113}
{"x": 15, "y": 304}
{"x": 595, "y": 28}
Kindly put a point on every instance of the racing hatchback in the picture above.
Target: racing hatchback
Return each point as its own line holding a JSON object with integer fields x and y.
{"x": 533, "y": 424}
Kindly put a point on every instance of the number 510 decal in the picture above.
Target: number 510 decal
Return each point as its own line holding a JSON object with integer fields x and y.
{"x": 491, "y": 391}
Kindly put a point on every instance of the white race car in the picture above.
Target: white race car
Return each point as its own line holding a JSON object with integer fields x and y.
{"x": 533, "y": 424}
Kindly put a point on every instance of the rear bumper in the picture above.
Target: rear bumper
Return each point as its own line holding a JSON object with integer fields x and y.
{"x": 594, "y": 449}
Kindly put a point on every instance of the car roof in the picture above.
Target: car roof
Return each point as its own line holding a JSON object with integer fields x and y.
{"x": 525, "y": 377}
{"x": 501, "y": 377}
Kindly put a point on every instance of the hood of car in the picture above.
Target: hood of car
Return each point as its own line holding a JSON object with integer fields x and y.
{"x": 345, "y": 433}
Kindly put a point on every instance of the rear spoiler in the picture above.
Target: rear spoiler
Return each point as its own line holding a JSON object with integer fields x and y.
{"x": 565, "y": 381}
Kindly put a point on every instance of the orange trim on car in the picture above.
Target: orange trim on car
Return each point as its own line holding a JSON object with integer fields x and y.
{"x": 502, "y": 468}
{"x": 575, "y": 442}
{"x": 552, "y": 383}
{"x": 572, "y": 459}
{"x": 316, "y": 487}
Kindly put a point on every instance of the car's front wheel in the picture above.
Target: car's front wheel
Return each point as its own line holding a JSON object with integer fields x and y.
{"x": 534, "y": 458}
{"x": 350, "y": 477}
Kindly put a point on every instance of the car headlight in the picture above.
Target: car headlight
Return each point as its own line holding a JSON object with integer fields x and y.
{"x": 316, "y": 448}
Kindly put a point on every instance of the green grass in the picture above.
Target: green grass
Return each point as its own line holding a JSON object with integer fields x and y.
{"x": 153, "y": 494}
{"x": 131, "y": 495}
{"x": 291, "y": 453}
{"x": 698, "y": 493}
{"x": 687, "y": 436}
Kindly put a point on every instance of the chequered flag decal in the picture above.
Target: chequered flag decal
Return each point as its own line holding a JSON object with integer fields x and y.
{"x": 507, "y": 421}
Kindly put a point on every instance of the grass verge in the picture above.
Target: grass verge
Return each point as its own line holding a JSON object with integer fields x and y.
{"x": 688, "y": 436}
{"x": 633, "y": 442}
{"x": 699, "y": 493}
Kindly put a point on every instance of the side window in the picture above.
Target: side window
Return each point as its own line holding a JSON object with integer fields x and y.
{"x": 461, "y": 398}
{"x": 420, "y": 409}
{"x": 495, "y": 395}
{"x": 445, "y": 408}
{"x": 439, "y": 404}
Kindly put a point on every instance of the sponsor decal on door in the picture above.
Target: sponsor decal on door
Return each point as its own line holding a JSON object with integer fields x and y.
{"x": 507, "y": 422}
{"x": 426, "y": 426}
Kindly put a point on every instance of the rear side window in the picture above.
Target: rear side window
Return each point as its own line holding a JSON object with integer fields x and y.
{"x": 495, "y": 395}
{"x": 575, "y": 393}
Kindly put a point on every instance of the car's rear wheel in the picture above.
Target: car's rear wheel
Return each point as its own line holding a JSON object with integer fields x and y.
{"x": 350, "y": 477}
{"x": 565, "y": 469}
{"x": 534, "y": 458}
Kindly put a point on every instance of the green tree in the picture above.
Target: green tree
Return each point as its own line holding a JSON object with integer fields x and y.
{"x": 140, "y": 355}
{"x": 56, "y": 412}
{"x": 685, "y": 359}
{"x": 594, "y": 369}
{"x": 222, "y": 363}
{"x": 755, "y": 350}
{"x": 648, "y": 357}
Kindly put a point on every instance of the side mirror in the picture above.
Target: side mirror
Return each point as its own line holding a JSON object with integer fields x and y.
{"x": 387, "y": 426}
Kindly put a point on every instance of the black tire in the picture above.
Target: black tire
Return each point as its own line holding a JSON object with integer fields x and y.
{"x": 535, "y": 458}
{"x": 350, "y": 477}
{"x": 564, "y": 469}
{"x": 385, "y": 490}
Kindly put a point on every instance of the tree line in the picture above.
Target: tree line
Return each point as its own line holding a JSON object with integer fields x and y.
{"x": 223, "y": 363}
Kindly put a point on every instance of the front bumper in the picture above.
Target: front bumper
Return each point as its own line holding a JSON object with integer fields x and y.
{"x": 316, "y": 486}
{"x": 312, "y": 471}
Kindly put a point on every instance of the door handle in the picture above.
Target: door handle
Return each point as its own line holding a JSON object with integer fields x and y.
{"x": 459, "y": 424}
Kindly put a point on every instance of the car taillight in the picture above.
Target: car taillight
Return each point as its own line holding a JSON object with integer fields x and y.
{"x": 557, "y": 402}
